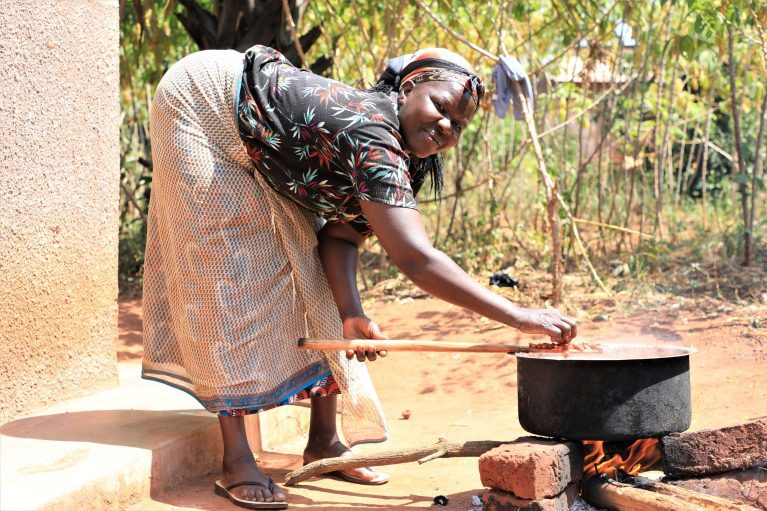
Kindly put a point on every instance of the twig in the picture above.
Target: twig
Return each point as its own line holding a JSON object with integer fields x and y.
{"x": 576, "y": 41}
{"x": 614, "y": 227}
{"x": 436, "y": 454}
{"x": 460, "y": 192}
{"x": 586, "y": 109}
{"x": 293, "y": 34}
{"x": 364, "y": 32}
{"x": 357, "y": 61}
{"x": 452, "y": 32}
{"x": 132, "y": 200}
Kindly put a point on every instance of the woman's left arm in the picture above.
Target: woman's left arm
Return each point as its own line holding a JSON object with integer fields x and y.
{"x": 339, "y": 248}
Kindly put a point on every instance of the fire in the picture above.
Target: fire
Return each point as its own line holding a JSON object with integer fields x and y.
{"x": 638, "y": 457}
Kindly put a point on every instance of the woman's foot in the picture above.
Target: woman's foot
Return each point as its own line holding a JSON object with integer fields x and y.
{"x": 244, "y": 469}
{"x": 318, "y": 449}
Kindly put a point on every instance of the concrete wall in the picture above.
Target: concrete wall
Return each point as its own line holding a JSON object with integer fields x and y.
{"x": 59, "y": 192}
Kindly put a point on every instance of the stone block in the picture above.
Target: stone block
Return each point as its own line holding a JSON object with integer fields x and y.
{"x": 498, "y": 500}
{"x": 532, "y": 468}
{"x": 713, "y": 451}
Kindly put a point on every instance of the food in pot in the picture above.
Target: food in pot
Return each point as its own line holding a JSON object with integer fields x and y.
{"x": 573, "y": 346}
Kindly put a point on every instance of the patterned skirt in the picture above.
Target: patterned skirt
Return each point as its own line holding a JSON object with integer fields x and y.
{"x": 232, "y": 275}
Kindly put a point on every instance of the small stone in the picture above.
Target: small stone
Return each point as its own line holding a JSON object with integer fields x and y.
{"x": 476, "y": 500}
{"x": 601, "y": 317}
{"x": 441, "y": 500}
{"x": 756, "y": 323}
{"x": 406, "y": 414}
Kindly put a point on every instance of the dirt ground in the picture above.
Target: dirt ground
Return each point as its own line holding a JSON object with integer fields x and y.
{"x": 473, "y": 396}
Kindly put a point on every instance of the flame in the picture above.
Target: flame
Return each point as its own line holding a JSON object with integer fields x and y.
{"x": 639, "y": 456}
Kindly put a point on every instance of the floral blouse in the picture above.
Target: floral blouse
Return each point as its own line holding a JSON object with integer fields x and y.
{"x": 322, "y": 144}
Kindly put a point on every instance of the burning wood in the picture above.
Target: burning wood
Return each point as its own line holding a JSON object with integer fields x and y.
{"x": 610, "y": 480}
{"x": 607, "y": 493}
{"x": 646, "y": 495}
{"x": 640, "y": 456}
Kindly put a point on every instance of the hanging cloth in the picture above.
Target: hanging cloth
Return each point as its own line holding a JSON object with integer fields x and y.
{"x": 506, "y": 71}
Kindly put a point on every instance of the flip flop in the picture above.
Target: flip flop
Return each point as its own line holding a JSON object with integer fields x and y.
{"x": 225, "y": 491}
{"x": 380, "y": 479}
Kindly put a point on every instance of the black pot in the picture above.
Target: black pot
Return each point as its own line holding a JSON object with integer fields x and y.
{"x": 628, "y": 391}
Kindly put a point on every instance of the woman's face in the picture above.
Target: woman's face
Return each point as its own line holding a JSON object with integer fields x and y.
{"x": 433, "y": 115}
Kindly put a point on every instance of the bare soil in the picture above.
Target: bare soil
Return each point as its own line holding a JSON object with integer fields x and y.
{"x": 463, "y": 396}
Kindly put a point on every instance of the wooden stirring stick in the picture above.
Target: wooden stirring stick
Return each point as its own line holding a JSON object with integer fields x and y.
{"x": 410, "y": 345}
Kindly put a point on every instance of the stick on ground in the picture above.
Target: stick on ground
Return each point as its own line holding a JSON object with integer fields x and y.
{"x": 441, "y": 449}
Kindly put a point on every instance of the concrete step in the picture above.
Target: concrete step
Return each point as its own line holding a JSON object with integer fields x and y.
{"x": 108, "y": 450}
{"x": 199, "y": 494}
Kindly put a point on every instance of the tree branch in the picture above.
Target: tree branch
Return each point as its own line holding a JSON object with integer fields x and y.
{"x": 422, "y": 454}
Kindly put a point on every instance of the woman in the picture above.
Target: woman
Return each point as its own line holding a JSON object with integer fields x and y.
{"x": 267, "y": 179}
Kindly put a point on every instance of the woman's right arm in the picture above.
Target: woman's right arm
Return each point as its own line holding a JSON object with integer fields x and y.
{"x": 402, "y": 235}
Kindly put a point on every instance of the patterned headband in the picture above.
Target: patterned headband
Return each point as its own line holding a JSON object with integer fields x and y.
{"x": 435, "y": 69}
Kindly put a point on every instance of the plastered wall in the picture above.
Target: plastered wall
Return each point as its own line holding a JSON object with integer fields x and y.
{"x": 59, "y": 192}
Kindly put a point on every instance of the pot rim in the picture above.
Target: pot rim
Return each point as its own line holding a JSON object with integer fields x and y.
{"x": 615, "y": 352}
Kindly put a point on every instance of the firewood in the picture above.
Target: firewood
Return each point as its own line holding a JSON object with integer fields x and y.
{"x": 442, "y": 449}
{"x": 692, "y": 496}
{"x": 625, "y": 497}
{"x": 614, "y": 495}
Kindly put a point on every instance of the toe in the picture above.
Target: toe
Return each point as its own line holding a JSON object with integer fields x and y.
{"x": 253, "y": 494}
{"x": 265, "y": 496}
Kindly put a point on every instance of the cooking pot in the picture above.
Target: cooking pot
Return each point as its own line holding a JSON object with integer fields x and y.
{"x": 623, "y": 392}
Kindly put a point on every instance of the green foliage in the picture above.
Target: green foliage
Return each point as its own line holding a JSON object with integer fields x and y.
{"x": 151, "y": 39}
{"x": 632, "y": 160}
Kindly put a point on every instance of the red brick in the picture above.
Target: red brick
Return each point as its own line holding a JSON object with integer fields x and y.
{"x": 714, "y": 451}
{"x": 532, "y": 468}
{"x": 498, "y": 500}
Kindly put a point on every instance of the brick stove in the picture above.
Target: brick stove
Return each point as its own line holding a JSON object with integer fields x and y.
{"x": 718, "y": 469}
{"x": 532, "y": 473}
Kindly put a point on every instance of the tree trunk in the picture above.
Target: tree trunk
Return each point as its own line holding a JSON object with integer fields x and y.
{"x": 758, "y": 162}
{"x": 239, "y": 24}
{"x": 704, "y": 165}
{"x": 740, "y": 164}
{"x": 660, "y": 155}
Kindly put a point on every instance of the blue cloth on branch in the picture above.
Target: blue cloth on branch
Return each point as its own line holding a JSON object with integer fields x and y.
{"x": 506, "y": 71}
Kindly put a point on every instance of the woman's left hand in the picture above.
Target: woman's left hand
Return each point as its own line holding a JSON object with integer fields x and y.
{"x": 362, "y": 327}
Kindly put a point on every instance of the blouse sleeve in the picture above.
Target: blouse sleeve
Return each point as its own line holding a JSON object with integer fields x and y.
{"x": 361, "y": 225}
{"x": 377, "y": 165}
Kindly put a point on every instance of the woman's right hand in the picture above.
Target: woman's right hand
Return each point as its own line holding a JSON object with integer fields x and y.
{"x": 362, "y": 327}
{"x": 551, "y": 322}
